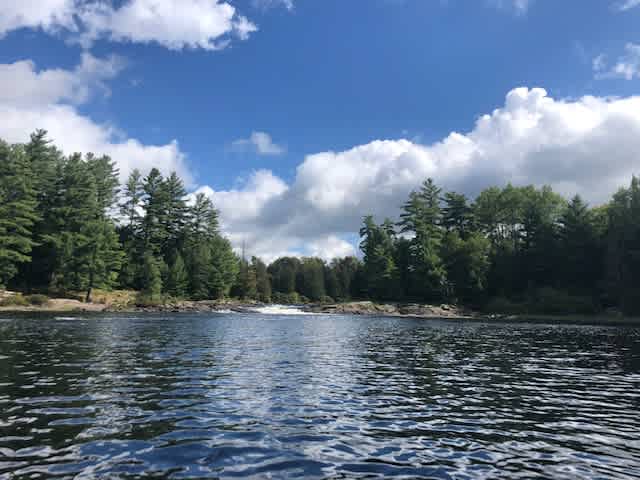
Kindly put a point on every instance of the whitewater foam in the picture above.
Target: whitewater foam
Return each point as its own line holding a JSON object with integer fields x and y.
{"x": 279, "y": 310}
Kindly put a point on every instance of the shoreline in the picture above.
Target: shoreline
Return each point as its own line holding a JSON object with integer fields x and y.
{"x": 362, "y": 308}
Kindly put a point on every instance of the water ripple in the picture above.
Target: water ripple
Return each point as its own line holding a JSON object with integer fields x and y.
{"x": 257, "y": 396}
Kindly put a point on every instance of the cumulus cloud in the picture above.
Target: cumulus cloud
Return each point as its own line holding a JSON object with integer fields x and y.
{"x": 175, "y": 24}
{"x": 48, "y": 15}
{"x": 21, "y": 84}
{"x": 626, "y": 67}
{"x": 330, "y": 247}
{"x": 626, "y": 5}
{"x": 47, "y": 99}
{"x": 260, "y": 143}
{"x": 587, "y": 146}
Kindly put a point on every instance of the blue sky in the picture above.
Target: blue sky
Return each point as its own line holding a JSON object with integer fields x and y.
{"x": 251, "y": 121}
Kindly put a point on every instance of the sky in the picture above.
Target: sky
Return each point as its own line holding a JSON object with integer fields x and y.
{"x": 299, "y": 117}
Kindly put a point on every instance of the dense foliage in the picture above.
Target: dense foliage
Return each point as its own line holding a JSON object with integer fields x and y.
{"x": 66, "y": 225}
{"x": 513, "y": 249}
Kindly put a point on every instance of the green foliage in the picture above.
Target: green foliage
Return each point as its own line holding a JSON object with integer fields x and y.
{"x": 177, "y": 277}
{"x": 544, "y": 301}
{"x": 246, "y": 286}
{"x": 151, "y": 278}
{"x": 37, "y": 299}
{"x": 513, "y": 249}
{"x": 18, "y": 213}
{"x": 292, "y": 298}
{"x": 263, "y": 282}
{"x": 14, "y": 301}
{"x": 311, "y": 279}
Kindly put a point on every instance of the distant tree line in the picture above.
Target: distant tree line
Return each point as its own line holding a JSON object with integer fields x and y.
{"x": 512, "y": 249}
{"x": 66, "y": 225}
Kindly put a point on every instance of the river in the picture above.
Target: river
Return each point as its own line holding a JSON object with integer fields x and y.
{"x": 303, "y": 396}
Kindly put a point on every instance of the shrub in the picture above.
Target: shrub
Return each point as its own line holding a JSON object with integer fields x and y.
{"x": 327, "y": 299}
{"x": 504, "y": 306}
{"x": 286, "y": 298}
{"x": 37, "y": 299}
{"x": 144, "y": 300}
{"x": 14, "y": 301}
{"x": 552, "y": 301}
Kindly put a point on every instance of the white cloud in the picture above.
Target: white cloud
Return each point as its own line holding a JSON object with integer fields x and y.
{"x": 520, "y": 7}
{"x": 22, "y": 84}
{"x": 175, "y": 24}
{"x": 626, "y": 67}
{"x": 267, "y": 4}
{"x": 587, "y": 146}
{"x": 48, "y": 15}
{"x": 626, "y": 5}
{"x": 260, "y": 143}
{"x": 330, "y": 247}
{"x": 47, "y": 99}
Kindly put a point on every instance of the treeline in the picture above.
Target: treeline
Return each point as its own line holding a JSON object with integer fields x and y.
{"x": 300, "y": 280}
{"x": 66, "y": 225}
{"x": 512, "y": 249}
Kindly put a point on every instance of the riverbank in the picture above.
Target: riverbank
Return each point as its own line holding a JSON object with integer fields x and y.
{"x": 124, "y": 302}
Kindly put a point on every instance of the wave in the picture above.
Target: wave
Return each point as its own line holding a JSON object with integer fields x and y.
{"x": 279, "y": 310}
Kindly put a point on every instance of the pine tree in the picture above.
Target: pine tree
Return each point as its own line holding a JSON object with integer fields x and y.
{"x": 579, "y": 240}
{"x": 457, "y": 214}
{"x": 132, "y": 204}
{"x": 246, "y": 284}
{"x": 380, "y": 270}
{"x": 224, "y": 267}
{"x": 151, "y": 278}
{"x": 174, "y": 218}
{"x": 177, "y": 277}
{"x": 17, "y": 211}
{"x": 623, "y": 248}
{"x": 155, "y": 209}
{"x": 263, "y": 283}
{"x": 422, "y": 217}
{"x": 312, "y": 278}
{"x": 45, "y": 161}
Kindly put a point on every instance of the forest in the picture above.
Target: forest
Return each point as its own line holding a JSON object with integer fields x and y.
{"x": 67, "y": 225}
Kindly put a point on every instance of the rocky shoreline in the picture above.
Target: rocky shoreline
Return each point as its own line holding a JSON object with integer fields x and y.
{"x": 394, "y": 310}
{"x": 361, "y": 308}
{"x": 56, "y": 305}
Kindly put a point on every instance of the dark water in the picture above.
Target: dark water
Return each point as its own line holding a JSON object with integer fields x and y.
{"x": 315, "y": 397}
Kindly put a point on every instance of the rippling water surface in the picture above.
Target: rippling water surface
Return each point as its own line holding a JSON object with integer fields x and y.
{"x": 224, "y": 396}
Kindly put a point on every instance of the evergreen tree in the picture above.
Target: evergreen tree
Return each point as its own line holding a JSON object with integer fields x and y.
{"x": 623, "y": 248}
{"x": 155, "y": 210}
{"x": 246, "y": 284}
{"x": 263, "y": 283}
{"x": 380, "y": 270}
{"x": 312, "y": 279}
{"x": 457, "y": 214}
{"x": 18, "y": 213}
{"x": 579, "y": 240}
{"x": 132, "y": 203}
{"x": 284, "y": 272}
{"x": 174, "y": 217}
{"x": 151, "y": 278}
{"x": 224, "y": 267}
{"x": 422, "y": 217}
{"x": 177, "y": 277}
{"x": 46, "y": 163}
